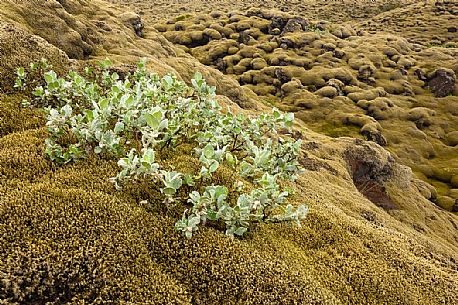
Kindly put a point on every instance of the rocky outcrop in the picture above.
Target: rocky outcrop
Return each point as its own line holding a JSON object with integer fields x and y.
{"x": 134, "y": 21}
{"x": 442, "y": 82}
{"x": 370, "y": 167}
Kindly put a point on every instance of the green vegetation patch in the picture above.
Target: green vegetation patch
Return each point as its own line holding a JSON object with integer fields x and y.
{"x": 142, "y": 119}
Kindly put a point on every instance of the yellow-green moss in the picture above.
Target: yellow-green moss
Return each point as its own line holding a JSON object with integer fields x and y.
{"x": 15, "y": 118}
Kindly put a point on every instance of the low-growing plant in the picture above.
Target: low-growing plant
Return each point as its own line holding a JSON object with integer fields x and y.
{"x": 142, "y": 116}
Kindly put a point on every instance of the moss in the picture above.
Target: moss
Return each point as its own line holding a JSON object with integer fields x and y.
{"x": 15, "y": 118}
{"x": 454, "y": 181}
{"x": 263, "y": 89}
{"x": 19, "y": 48}
{"x": 452, "y": 138}
{"x": 130, "y": 251}
{"x": 262, "y": 78}
{"x": 182, "y": 17}
{"x": 213, "y": 34}
{"x": 161, "y": 27}
{"x": 66, "y": 236}
{"x": 335, "y": 130}
{"x": 233, "y": 50}
{"x": 260, "y": 24}
{"x": 258, "y": 64}
{"x": 298, "y": 39}
{"x": 182, "y": 38}
{"x": 250, "y": 52}
{"x": 268, "y": 46}
{"x": 442, "y": 174}
{"x": 367, "y": 94}
{"x": 441, "y": 187}
{"x": 246, "y": 78}
{"x": 445, "y": 202}
{"x": 327, "y": 91}
{"x": 74, "y": 37}
{"x": 290, "y": 87}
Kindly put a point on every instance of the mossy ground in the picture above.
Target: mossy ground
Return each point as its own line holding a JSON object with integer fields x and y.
{"x": 69, "y": 228}
{"x": 67, "y": 236}
{"x": 335, "y": 74}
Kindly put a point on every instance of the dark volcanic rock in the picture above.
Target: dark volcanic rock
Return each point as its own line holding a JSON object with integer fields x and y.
{"x": 295, "y": 24}
{"x": 376, "y": 137}
{"x": 370, "y": 169}
{"x": 244, "y": 37}
{"x": 442, "y": 82}
{"x": 455, "y": 207}
{"x": 278, "y": 22}
{"x": 133, "y": 20}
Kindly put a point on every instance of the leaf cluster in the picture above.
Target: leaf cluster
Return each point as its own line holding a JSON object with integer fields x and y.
{"x": 137, "y": 118}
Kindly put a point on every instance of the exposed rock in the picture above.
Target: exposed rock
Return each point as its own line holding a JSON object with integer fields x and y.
{"x": 455, "y": 206}
{"x": 295, "y": 24}
{"x": 133, "y": 20}
{"x": 442, "y": 82}
{"x": 282, "y": 76}
{"x": 421, "y": 75}
{"x": 278, "y": 22}
{"x": 370, "y": 167}
{"x": 373, "y": 135}
{"x": 245, "y": 37}
{"x": 338, "y": 84}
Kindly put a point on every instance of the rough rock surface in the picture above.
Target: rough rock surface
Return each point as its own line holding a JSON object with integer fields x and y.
{"x": 442, "y": 82}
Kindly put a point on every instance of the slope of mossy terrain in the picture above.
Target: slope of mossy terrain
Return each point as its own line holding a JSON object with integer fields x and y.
{"x": 398, "y": 90}
{"x": 336, "y": 11}
{"x": 68, "y": 236}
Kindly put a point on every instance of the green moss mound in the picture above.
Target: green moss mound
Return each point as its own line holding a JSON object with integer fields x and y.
{"x": 68, "y": 236}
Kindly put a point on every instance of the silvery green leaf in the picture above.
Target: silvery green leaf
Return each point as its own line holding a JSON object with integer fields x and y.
{"x": 240, "y": 231}
{"x": 105, "y": 64}
{"x": 169, "y": 191}
{"x": 209, "y": 151}
{"x": 50, "y": 77}
{"x": 289, "y": 119}
{"x": 194, "y": 196}
{"x": 188, "y": 180}
{"x": 20, "y": 72}
{"x": 230, "y": 231}
{"x": 119, "y": 127}
{"x": 39, "y": 91}
{"x": 103, "y": 103}
{"x": 212, "y": 215}
{"x": 194, "y": 221}
{"x": 164, "y": 124}
{"x": 124, "y": 162}
{"x": 177, "y": 183}
{"x": 148, "y": 155}
{"x": 214, "y": 166}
